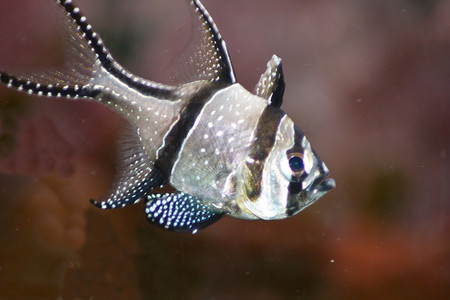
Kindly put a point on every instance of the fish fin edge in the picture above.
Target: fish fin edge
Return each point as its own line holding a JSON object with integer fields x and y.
{"x": 271, "y": 83}
{"x": 136, "y": 175}
{"x": 180, "y": 212}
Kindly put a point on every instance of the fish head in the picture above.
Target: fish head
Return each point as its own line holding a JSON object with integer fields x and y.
{"x": 286, "y": 180}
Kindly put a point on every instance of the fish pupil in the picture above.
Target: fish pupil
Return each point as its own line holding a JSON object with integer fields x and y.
{"x": 296, "y": 164}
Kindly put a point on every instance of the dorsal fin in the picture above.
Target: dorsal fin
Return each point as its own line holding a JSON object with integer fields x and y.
{"x": 207, "y": 57}
{"x": 271, "y": 84}
{"x": 216, "y": 64}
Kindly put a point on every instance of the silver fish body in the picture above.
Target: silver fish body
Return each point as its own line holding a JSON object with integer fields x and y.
{"x": 225, "y": 150}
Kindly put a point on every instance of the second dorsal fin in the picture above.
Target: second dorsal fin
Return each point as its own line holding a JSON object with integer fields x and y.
{"x": 206, "y": 57}
{"x": 215, "y": 61}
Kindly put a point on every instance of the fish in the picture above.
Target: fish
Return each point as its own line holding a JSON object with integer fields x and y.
{"x": 224, "y": 150}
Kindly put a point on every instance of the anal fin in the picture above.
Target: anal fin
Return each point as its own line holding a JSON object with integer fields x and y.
{"x": 131, "y": 188}
{"x": 180, "y": 212}
{"x": 136, "y": 175}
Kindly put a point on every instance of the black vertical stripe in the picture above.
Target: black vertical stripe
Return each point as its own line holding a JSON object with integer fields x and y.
{"x": 265, "y": 135}
{"x": 181, "y": 128}
{"x": 295, "y": 186}
{"x": 266, "y": 131}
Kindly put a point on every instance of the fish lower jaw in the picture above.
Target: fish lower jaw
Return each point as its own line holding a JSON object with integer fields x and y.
{"x": 243, "y": 212}
{"x": 322, "y": 188}
{"x": 240, "y": 211}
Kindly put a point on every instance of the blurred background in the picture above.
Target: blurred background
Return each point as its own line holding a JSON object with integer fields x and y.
{"x": 367, "y": 81}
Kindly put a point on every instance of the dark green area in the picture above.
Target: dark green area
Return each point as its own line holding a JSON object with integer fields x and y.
{"x": 387, "y": 194}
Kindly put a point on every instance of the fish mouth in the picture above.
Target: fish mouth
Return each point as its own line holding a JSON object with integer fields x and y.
{"x": 321, "y": 186}
{"x": 309, "y": 196}
{"x": 326, "y": 184}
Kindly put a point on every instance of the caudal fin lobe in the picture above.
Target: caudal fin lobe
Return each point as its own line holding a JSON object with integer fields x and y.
{"x": 82, "y": 65}
{"x": 87, "y": 63}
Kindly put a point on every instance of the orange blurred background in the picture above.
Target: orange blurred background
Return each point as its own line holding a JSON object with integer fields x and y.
{"x": 367, "y": 81}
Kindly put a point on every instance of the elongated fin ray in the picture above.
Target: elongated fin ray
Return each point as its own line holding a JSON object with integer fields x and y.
{"x": 103, "y": 55}
{"x": 71, "y": 81}
{"x": 87, "y": 60}
{"x": 135, "y": 175}
{"x": 271, "y": 84}
{"x": 208, "y": 57}
{"x": 180, "y": 212}
{"x": 219, "y": 64}
{"x": 32, "y": 87}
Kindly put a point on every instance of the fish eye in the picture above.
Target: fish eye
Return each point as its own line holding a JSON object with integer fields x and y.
{"x": 296, "y": 164}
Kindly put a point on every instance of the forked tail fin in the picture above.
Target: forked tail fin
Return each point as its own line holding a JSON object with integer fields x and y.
{"x": 90, "y": 69}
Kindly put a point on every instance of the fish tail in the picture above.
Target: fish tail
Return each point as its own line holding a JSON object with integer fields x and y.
{"x": 89, "y": 68}
{"x": 105, "y": 70}
{"x": 23, "y": 83}
{"x": 84, "y": 58}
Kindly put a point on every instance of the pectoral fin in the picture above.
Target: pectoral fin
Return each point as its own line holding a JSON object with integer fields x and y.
{"x": 180, "y": 212}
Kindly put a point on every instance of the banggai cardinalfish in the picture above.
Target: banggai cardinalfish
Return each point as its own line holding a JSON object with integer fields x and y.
{"x": 225, "y": 150}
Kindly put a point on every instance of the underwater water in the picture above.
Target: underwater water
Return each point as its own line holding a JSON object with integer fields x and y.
{"x": 369, "y": 84}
